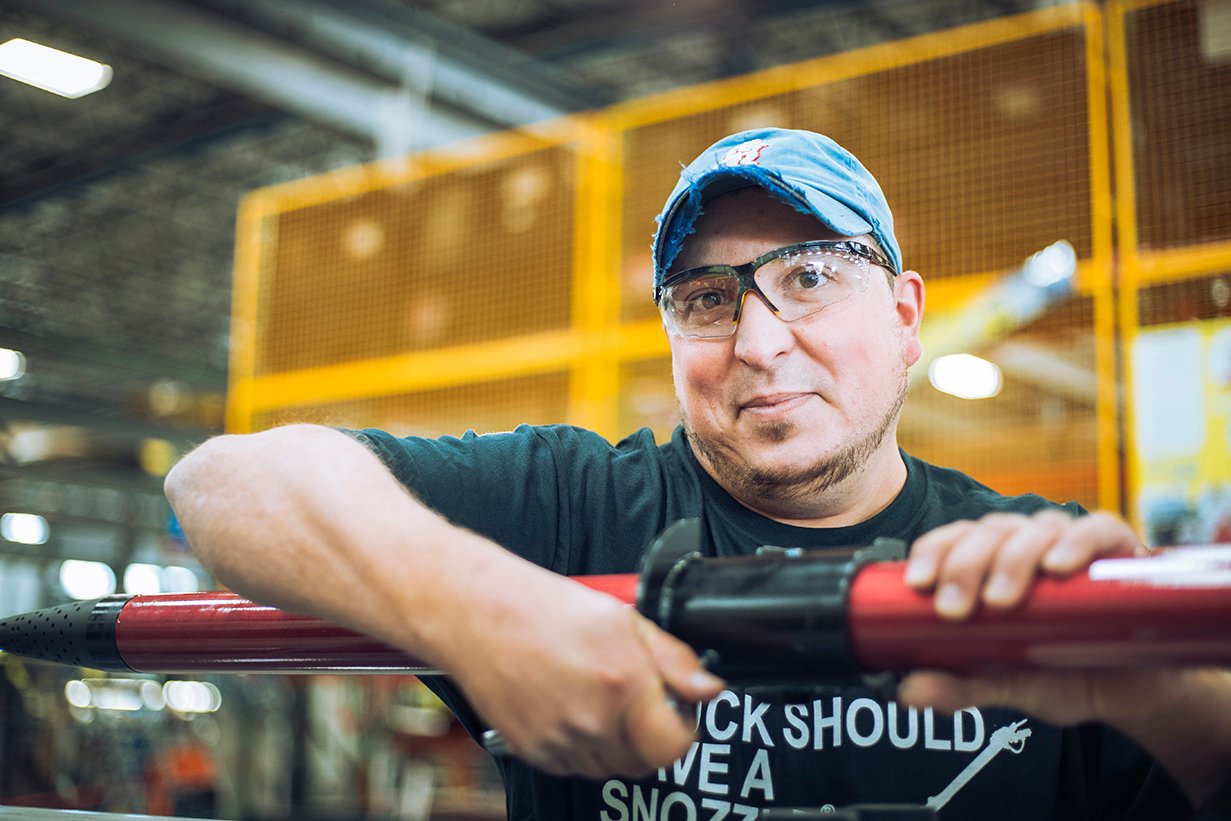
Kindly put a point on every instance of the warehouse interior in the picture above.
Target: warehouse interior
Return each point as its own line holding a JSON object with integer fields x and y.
{"x": 259, "y": 219}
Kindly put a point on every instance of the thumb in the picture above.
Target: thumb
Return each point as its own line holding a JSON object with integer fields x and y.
{"x": 655, "y": 730}
{"x": 682, "y": 673}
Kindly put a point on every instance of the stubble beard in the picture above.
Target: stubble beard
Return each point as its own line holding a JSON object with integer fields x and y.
{"x": 770, "y": 488}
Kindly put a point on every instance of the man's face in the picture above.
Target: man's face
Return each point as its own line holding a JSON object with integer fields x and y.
{"x": 781, "y": 410}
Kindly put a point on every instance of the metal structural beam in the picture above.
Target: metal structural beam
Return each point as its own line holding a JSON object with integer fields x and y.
{"x": 56, "y": 172}
{"x": 229, "y": 54}
{"x": 455, "y": 65}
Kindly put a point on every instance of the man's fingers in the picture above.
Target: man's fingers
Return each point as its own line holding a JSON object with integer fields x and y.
{"x": 656, "y": 732}
{"x": 966, "y": 564}
{"x": 1015, "y": 564}
{"x": 928, "y": 552}
{"x": 929, "y": 688}
{"x": 1088, "y": 538}
{"x": 678, "y": 665}
{"x": 1059, "y": 697}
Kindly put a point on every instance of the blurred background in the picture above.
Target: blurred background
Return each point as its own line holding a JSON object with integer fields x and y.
{"x": 434, "y": 215}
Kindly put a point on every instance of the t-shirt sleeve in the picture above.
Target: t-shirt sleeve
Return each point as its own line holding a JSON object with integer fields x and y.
{"x": 508, "y": 487}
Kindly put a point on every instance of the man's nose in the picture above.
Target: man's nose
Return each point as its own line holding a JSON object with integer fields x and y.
{"x": 760, "y": 336}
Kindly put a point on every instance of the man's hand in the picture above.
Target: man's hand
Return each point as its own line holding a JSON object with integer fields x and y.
{"x": 992, "y": 563}
{"x": 579, "y": 683}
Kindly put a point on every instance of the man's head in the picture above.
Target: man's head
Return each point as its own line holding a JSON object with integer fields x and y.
{"x": 809, "y": 171}
{"x": 805, "y": 391}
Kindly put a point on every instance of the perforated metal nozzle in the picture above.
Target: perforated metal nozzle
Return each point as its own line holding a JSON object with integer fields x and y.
{"x": 79, "y": 633}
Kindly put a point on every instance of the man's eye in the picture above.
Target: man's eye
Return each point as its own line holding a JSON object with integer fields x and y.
{"x": 808, "y": 276}
{"x": 705, "y": 300}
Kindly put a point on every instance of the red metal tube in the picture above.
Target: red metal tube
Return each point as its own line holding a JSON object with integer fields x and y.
{"x": 221, "y": 632}
{"x": 1171, "y": 609}
{"x": 1123, "y": 612}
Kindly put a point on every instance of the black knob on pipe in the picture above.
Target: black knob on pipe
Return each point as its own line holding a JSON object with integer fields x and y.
{"x": 776, "y": 619}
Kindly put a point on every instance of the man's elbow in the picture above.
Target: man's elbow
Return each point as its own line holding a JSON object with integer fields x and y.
{"x": 192, "y": 468}
{"x": 224, "y": 460}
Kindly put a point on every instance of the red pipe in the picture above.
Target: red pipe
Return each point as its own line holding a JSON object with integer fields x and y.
{"x": 1170, "y": 609}
{"x": 1077, "y": 622}
{"x": 221, "y": 632}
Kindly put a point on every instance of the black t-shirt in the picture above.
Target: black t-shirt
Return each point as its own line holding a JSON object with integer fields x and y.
{"x": 568, "y": 500}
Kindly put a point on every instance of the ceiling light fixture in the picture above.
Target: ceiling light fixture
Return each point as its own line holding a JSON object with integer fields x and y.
{"x": 24, "y": 528}
{"x": 12, "y": 364}
{"x": 965, "y": 376}
{"x": 51, "y": 69}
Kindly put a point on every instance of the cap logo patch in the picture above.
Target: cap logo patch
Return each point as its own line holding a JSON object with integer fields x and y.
{"x": 744, "y": 154}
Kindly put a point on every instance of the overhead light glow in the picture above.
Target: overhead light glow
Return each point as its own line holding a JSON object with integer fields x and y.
{"x": 179, "y": 580}
{"x": 192, "y": 696}
{"x": 1055, "y": 263}
{"x": 86, "y": 580}
{"x": 965, "y": 376}
{"x": 121, "y": 694}
{"x": 24, "y": 528}
{"x": 12, "y": 365}
{"x": 142, "y": 579}
{"x": 51, "y": 69}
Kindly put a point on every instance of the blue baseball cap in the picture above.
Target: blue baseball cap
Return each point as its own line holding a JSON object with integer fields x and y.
{"x": 808, "y": 171}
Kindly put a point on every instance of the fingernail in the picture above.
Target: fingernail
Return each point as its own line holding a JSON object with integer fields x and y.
{"x": 704, "y": 681}
{"x": 1062, "y": 557}
{"x": 919, "y": 572}
{"x": 999, "y": 589}
{"x": 951, "y": 601}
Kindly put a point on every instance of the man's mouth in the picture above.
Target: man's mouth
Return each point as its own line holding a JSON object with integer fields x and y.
{"x": 771, "y": 404}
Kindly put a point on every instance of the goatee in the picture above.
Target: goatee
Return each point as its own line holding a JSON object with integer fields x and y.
{"x": 753, "y": 483}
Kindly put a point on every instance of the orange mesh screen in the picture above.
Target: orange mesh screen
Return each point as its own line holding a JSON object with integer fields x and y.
{"x": 1040, "y": 433}
{"x": 484, "y": 408}
{"x": 1179, "y": 68}
{"x": 647, "y": 398}
{"x": 470, "y": 255}
{"x": 1178, "y": 275}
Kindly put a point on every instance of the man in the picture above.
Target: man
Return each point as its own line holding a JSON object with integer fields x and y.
{"x": 792, "y": 324}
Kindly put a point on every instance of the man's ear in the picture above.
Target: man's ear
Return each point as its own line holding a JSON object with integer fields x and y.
{"x": 908, "y": 302}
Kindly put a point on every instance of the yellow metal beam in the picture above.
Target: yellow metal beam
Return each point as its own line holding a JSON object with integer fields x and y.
{"x": 420, "y": 370}
{"x": 1126, "y": 269}
{"x": 1171, "y": 264}
{"x": 679, "y": 103}
{"x": 251, "y": 237}
{"x": 352, "y": 181}
{"x": 1099, "y": 271}
{"x": 594, "y": 387}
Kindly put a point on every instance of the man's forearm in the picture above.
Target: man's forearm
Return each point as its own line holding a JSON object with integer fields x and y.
{"x": 307, "y": 519}
{"x": 1184, "y": 721}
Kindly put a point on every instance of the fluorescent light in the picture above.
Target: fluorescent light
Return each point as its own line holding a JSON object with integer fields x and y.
{"x": 51, "y": 69}
{"x": 965, "y": 376}
{"x": 86, "y": 580}
{"x": 24, "y": 528}
{"x": 179, "y": 580}
{"x": 12, "y": 364}
{"x": 123, "y": 694}
{"x": 192, "y": 696}
{"x": 142, "y": 579}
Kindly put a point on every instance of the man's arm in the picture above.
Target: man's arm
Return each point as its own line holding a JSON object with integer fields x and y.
{"x": 1181, "y": 717}
{"x": 307, "y": 519}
